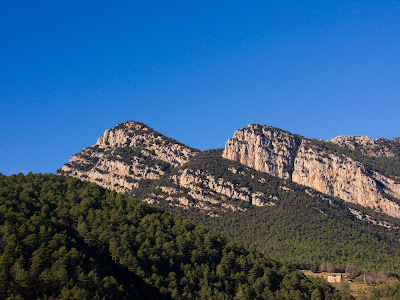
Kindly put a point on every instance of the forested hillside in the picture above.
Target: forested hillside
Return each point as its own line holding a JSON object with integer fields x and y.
{"x": 297, "y": 224}
{"x": 67, "y": 239}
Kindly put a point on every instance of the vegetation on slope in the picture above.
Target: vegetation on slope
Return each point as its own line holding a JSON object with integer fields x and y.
{"x": 67, "y": 239}
{"x": 300, "y": 229}
{"x": 386, "y": 292}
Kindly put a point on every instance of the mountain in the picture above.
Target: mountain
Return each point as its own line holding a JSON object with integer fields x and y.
{"x": 127, "y": 154}
{"x": 61, "y": 238}
{"x": 248, "y": 191}
{"x": 315, "y": 164}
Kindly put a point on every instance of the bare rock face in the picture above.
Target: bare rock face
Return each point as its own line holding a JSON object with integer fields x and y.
{"x": 263, "y": 148}
{"x": 380, "y": 147}
{"x": 125, "y": 155}
{"x": 338, "y": 175}
{"x": 279, "y": 153}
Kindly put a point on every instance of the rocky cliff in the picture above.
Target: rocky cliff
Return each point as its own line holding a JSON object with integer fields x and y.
{"x": 264, "y": 148}
{"x": 380, "y": 147}
{"x": 289, "y": 156}
{"x": 127, "y": 154}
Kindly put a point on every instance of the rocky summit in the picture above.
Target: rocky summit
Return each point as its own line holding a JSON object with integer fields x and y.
{"x": 127, "y": 154}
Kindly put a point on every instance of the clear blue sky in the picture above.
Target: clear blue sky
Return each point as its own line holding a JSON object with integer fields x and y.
{"x": 193, "y": 70}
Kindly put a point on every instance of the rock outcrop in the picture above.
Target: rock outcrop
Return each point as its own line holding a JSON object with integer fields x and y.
{"x": 202, "y": 190}
{"x": 127, "y": 154}
{"x": 345, "y": 178}
{"x": 288, "y": 156}
{"x": 380, "y": 147}
{"x": 264, "y": 148}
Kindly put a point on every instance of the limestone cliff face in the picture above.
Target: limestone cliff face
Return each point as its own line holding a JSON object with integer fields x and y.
{"x": 380, "y": 147}
{"x": 125, "y": 155}
{"x": 345, "y": 178}
{"x": 264, "y": 149}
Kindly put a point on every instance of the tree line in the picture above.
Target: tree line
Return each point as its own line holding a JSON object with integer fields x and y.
{"x": 67, "y": 239}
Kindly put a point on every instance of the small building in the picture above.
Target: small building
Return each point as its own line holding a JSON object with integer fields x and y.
{"x": 334, "y": 278}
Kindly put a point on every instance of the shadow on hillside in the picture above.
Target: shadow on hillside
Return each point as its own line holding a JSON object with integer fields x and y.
{"x": 136, "y": 287}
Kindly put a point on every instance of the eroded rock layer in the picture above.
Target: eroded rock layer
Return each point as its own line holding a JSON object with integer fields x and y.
{"x": 203, "y": 190}
{"x": 286, "y": 155}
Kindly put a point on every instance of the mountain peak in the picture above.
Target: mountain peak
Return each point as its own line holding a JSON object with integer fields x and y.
{"x": 133, "y": 125}
{"x": 380, "y": 147}
{"x": 126, "y": 154}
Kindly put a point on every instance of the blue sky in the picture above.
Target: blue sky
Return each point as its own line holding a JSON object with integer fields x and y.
{"x": 192, "y": 70}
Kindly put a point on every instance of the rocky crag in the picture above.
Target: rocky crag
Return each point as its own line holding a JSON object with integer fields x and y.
{"x": 314, "y": 164}
{"x": 380, "y": 147}
{"x": 213, "y": 185}
{"x": 126, "y": 155}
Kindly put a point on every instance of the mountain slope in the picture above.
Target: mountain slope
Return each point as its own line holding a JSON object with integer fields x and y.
{"x": 67, "y": 239}
{"x": 284, "y": 220}
{"x": 125, "y": 155}
{"x": 306, "y": 162}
